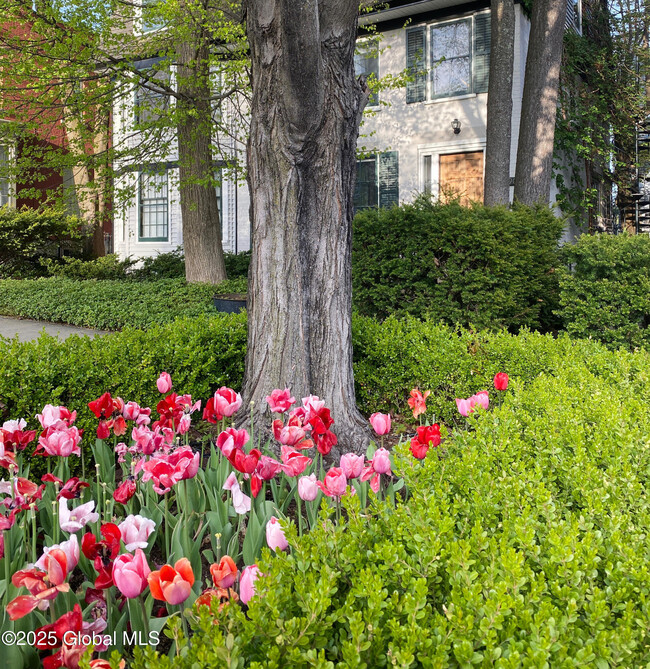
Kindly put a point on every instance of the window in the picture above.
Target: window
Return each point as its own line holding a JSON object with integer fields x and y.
{"x": 366, "y": 63}
{"x": 153, "y": 207}
{"x": 377, "y": 181}
{"x": 4, "y": 177}
{"x": 151, "y": 20}
{"x": 448, "y": 59}
{"x": 149, "y": 104}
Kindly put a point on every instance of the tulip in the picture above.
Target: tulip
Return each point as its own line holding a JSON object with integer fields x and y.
{"x": 247, "y": 583}
{"x": 230, "y": 439}
{"x": 294, "y": 461}
{"x": 417, "y": 401}
{"x": 380, "y": 423}
{"x": 352, "y": 465}
{"x": 482, "y": 399}
{"x": 465, "y": 407}
{"x": 334, "y": 484}
{"x": 131, "y": 411}
{"x": 501, "y": 381}
{"x": 164, "y": 383}
{"x": 125, "y": 491}
{"x": 72, "y": 520}
{"x": 135, "y": 531}
{"x": 308, "y": 488}
{"x": 291, "y": 435}
{"x": 280, "y": 400}
{"x": 71, "y": 489}
{"x": 241, "y": 502}
{"x": 267, "y": 468}
{"x": 62, "y": 442}
{"x": 224, "y": 574}
{"x": 312, "y": 404}
{"x": 130, "y": 573}
{"x": 56, "y": 417}
{"x": 275, "y": 535}
{"x": 172, "y": 584}
{"x": 227, "y": 402}
{"x": 325, "y": 441}
{"x": 71, "y": 550}
{"x": 429, "y": 434}
{"x": 418, "y": 449}
{"x": 381, "y": 461}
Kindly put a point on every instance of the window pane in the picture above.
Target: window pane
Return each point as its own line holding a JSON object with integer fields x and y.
{"x": 4, "y": 179}
{"x": 452, "y": 77}
{"x": 365, "y": 192}
{"x": 366, "y": 62}
{"x": 153, "y": 206}
{"x": 450, "y": 40}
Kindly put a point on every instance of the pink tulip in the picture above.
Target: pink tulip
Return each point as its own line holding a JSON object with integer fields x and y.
{"x": 280, "y": 400}
{"x": 308, "y": 488}
{"x": 482, "y": 399}
{"x": 130, "y": 573}
{"x": 230, "y": 439}
{"x": 352, "y": 465}
{"x": 334, "y": 484}
{"x": 294, "y": 461}
{"x": 227, "y": 401}
{"x": 72, "y": 520}
{"x": 247, "y": 583}
{"x": 56, "y": 417}
{"x": 135, "y": 531}
{"x": 312, "y": 404}
{"x": 381, "y": 461}
{"x": 69, "y": 547}
{"x": 185, "y": 462}
{"x": 62, "y": 442}
{"x": 131, "y": 411}
{"x": 275, "y": 535}
{"x": 164, "y": 383}
{"x": 291, "y": 435}
{"x": 267, "y": 468}
{"x": 380, "y": 423}
{"x": 465, "y": 407}
{"x": 241, "y": 502}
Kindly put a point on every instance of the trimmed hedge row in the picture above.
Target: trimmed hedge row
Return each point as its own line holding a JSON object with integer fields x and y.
{"x": 490, "y": 267}
{"x": 605, "y": 291}
{"x": 109, "y": 305}
{"x": 523, "y": 542}
{"x": 204, "y": 353}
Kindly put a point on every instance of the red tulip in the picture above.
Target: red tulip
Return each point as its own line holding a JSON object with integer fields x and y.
{"x": 429, "y": 434}
{"x": 501, "y": 381}
{"x": 418, "y": 449}
{"x": 125, "y": 491}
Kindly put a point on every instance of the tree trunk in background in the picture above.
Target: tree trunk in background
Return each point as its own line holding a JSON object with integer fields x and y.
{"x": 305, "y": 115}
{"x": 199, "y": 207}
{"x": 539, "y": 104}
{"x": 499, "y": 104}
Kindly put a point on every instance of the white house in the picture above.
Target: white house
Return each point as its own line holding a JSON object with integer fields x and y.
{"x": 427, "y": 136}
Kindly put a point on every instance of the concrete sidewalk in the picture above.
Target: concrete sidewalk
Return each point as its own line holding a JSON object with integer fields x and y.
{"x": 27, "y": 330}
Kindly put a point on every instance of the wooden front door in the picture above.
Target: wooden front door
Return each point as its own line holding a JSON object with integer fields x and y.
{"x": 461, "y": 176}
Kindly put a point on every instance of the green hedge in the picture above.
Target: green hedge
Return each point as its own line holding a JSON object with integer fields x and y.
{"x": 525, "y": 544}
{"x": 487, "y": 266}
{"x": 109, "y": 305}
{"x": 605, "y": 291}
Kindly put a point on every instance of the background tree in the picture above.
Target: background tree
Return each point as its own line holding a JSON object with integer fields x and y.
{"x": 539, "y": 103}
{"x": 86, "y": 60}
{"x": 499, "y": 104}
{"x": 306, "y": 109}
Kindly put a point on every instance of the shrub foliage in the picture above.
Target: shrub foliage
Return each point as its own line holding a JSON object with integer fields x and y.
{"x": 606, "y": 289}
{"x": 489, "y": 266}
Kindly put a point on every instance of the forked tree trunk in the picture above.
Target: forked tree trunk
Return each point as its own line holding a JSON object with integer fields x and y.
{"x": 539, "y": 103}
{"x": 199, "y": 207}
{"x": 499, "y": 104}
{"x": 305, "y": 115}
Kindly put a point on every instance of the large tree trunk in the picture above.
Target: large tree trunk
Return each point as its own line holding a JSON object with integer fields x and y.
{"x": 539, "y": 103}
{"x": 499, "y": 104}
{"x": 199, "y": 207}
{"x": 305, "y": 115}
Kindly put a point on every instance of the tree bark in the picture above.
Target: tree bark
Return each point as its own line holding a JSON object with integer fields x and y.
{"x": 305, "y": 115}
{"x": 499, "y": 104}
{"x": 198, "y": 199}
{"x": 539, "y": 103}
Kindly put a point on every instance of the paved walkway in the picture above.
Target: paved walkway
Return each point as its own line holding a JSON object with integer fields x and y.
{"x": 27, "y": 330}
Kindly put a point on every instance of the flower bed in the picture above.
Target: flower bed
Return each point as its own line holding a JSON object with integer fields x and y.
{"x": 88, "y": 562}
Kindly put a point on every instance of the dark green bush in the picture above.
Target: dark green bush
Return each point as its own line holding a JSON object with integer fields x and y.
{"x": 489, "y": 266}
{"x": 237, "y": 264}
{"x": 524, "y": 544}
{"x": 27, "y": 237}
{"x": 161, "y": 266}
{"x": 108, "y": 267}
{"x": 109, "y": 305}
{"x": 605, "y": 290}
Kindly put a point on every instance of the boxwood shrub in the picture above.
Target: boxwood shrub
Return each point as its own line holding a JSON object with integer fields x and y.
{"x": 522, "y": 543}
{"x": 605, "y": 289}
{"x": 487, "y": 266}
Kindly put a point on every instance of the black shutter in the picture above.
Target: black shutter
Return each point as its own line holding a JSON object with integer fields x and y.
{"x": 481, "y": 52}
{"x": 416, "y": 90}
{"x": 388, "y": 179}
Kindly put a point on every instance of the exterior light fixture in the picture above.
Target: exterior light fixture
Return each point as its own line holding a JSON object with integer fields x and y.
{"x": 455, "y": 124}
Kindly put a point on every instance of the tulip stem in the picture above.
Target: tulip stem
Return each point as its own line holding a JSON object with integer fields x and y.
{"x": 299, "y": 515}
{"x": 183, "y": 622}
{"x": 33, "y": 513}
{"x": 145, "y": 617}
{"x": 167, "y": 532}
